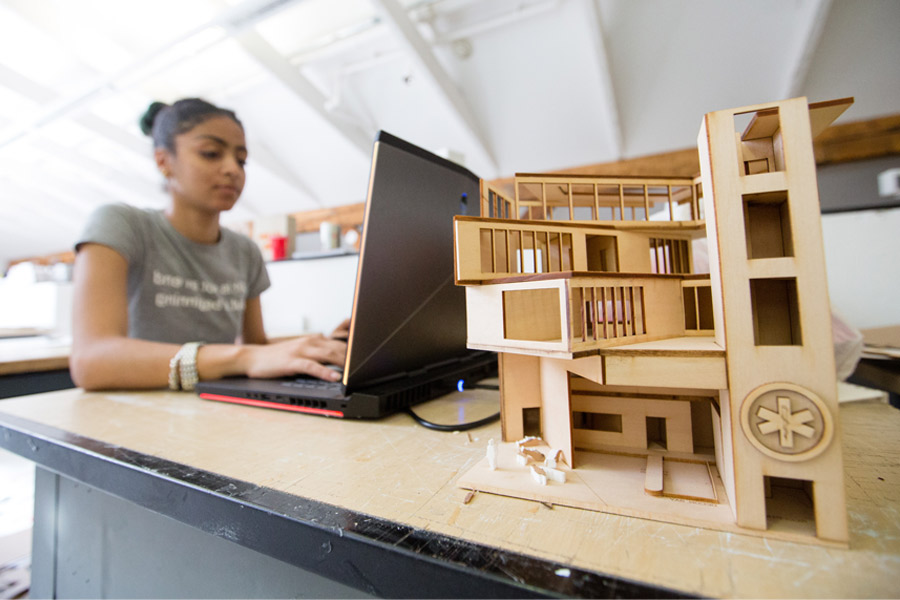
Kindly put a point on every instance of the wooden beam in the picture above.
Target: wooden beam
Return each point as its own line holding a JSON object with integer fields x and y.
{"x": 231, "y": 21}
{"x": 419, "y": 50}
{"x": 67, "y": 256}
{"x": 42, "y": 95}
{"x": 139, "y": 145}
{"x": 281, "y": 68}
{"x": 858, "y": 140}
{"x": 347, "y": 216}
{"x": 679, "y": 163}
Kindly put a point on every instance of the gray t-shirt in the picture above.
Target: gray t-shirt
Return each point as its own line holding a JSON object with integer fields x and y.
{"x": 178, "y": 290}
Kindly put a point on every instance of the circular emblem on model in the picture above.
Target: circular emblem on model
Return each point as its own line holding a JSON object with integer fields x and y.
{"x": 786, "y": 421}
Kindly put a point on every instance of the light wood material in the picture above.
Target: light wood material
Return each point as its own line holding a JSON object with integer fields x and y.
{"x": 633, "y": 431}
{"x": 859, "y": 140}
{"x": 495, "y": 250}
{"x": 572, "y": 317}
{"x": 556, "y": 425}
{"x": 66, "y": 256}
{"x": 556, "y": 197}
{"x": 683, "y": 372}
{"x": 33, "y": 354}
{"x": 346, "y": 216}
{"x": 823, "y": 114}
{"x": 520, "y": 378}
{"x": 397, "y": 470}
{"x": 884, "y": 337}
{"x": 774, "y": 396}
{"x": 787, "y": 338}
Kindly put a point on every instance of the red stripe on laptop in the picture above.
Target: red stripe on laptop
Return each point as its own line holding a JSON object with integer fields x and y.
{"x": 276, "y": 405}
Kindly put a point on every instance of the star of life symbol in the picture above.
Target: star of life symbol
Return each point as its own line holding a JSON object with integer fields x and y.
{"x": 802, "y": 421}
{"x": 785, "y": 422}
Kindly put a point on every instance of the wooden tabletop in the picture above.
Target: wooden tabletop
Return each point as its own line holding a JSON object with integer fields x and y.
{"x": 29, "y": 354}
{"x": 398, "y": 471}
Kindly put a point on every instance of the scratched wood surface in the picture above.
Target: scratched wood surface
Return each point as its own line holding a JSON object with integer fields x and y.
{"x": 396, "y": 469}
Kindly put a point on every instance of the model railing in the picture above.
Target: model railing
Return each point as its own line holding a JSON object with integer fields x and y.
{"x": 607, "y": 312}
{"x": 491, "y": 249}
{"x": 494, "y": 249}
{"x": 668, "y": 256}
{"x": 590, "y": 198}
{"x": 575, "y": 315}
{"x": 495, "y": 204}
{"x": 698, "y": 309}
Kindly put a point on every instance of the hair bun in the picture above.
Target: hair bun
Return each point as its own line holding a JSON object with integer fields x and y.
{"x": 149, "y": 117}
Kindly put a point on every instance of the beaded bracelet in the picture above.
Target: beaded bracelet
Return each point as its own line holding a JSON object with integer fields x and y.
{"x": 183, "y": 367}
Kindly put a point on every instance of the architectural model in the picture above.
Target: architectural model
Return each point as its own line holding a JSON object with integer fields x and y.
{"x": 630, "y": 382}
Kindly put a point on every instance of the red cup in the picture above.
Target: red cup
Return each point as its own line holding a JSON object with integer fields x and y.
{"x": 279, "y": 247}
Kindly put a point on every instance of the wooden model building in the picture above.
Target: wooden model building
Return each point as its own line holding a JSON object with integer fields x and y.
{"x": 631, "y": 384}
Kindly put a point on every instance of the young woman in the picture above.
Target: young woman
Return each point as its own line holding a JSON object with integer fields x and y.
{"x": 167, "y": 297}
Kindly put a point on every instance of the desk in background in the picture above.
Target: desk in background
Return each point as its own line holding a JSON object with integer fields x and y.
{"x": 879, "y": 366}
{"x": 31, "y": 363}
{"x": 161, "y": 493}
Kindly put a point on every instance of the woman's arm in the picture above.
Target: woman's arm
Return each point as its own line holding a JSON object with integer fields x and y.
{"x": 253, "y": 331}
{"x": 102, "y": 354}
{"x": 104, "y": 357}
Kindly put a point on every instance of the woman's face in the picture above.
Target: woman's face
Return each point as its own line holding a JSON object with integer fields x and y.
{"x": 206, "y": 172}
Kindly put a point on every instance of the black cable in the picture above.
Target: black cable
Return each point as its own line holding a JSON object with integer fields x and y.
{"x": 459, "y": 427}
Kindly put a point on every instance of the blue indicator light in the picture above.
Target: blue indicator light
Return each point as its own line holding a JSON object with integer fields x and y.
{"x": 459, "y": 384}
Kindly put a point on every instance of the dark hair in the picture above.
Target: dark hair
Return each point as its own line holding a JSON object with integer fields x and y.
{"x": 162, "y": 122}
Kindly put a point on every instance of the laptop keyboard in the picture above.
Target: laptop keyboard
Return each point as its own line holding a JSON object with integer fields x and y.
{"x": 314, "y": 384}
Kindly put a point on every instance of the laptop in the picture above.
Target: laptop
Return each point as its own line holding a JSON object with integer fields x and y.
{"x": 407, "y": 338}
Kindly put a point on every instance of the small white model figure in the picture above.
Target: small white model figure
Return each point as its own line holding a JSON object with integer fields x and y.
{"x": 538, "y": 475}
{"x": 492, "y": 454}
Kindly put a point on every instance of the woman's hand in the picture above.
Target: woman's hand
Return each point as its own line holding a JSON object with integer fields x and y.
{"x": 307, "y": 355}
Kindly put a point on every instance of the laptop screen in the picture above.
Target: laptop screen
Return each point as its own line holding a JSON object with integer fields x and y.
{"x": 407, "y": 312}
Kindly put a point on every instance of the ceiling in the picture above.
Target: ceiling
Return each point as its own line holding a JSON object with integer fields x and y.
{"x": 505, "y": 86}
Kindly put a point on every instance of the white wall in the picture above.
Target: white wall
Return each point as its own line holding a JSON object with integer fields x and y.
{"x": 862, "y": 255}
{"x": 312, "y": 295}
{"x": 45, "y": 306}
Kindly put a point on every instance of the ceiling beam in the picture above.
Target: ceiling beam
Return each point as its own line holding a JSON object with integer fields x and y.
{"x": 608, "y": 108}
{"x": 41, "y": 208}
{"x": 25, "y": 86}
{"x": 133, "y": 186}
{"x": 230, "y": 22}
{"x": 809, "y": 32}
{"x": 859, "y": 140}
{"x": 420, "y": 51}
{"x": 41, "y": 94}
{"x": 281, "y": 68}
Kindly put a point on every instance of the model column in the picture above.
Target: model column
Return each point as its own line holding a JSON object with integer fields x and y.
{"x": 780, "y": 444}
